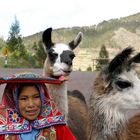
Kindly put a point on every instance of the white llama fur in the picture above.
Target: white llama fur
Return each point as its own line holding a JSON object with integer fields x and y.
{"x": 116, "y": 92}
{"x": 59, "y": 63}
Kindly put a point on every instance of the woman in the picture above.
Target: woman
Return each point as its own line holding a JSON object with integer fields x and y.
{"x": 28, "y": 112}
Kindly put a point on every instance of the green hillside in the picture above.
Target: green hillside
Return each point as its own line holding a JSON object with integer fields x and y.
{"x": 94, "y": 36}
{"x": 114, "y": 33}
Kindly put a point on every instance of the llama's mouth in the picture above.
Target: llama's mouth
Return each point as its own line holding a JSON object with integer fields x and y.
{"x": 61, "y": 72}
{"x": 67, "y": 72}
{"x": 61, "y": 78}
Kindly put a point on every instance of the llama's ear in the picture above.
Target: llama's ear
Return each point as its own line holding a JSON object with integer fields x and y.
{"x": 135, "y": 59}
{"x": 119, "y": 60}
{"x": 74, "y": 43}
{"x": 46, "y": 37}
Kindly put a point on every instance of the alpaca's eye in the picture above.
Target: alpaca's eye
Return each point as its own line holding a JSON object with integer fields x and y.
{"x": 123, "y": 84}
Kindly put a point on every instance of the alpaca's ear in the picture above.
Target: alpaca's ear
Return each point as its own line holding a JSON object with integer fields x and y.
{"x": 46, "y": 37}
{"x": 135, "y": 59}
{"x": 119, "y": 60}
{"x": 74, "y": 43}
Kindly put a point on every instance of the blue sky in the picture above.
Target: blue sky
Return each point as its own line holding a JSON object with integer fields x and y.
{"x": 37, "y": 15}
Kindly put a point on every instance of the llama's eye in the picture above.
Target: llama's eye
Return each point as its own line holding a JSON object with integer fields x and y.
{"x": 123, "y": 84}
{"x": 52, "y": 56}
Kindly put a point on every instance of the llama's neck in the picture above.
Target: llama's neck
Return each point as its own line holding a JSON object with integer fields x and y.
{"x": 58, "y": 93}
{"x": 106, "y": 122}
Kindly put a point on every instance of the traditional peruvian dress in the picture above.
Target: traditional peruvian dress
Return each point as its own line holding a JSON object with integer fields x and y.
{"x": 50, "y": 124}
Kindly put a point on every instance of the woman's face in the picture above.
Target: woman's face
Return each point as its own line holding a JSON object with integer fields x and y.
{"x": 29, "y": 103}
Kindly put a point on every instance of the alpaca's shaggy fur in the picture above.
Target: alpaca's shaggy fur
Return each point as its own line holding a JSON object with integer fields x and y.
{"x": 115, "y": 94}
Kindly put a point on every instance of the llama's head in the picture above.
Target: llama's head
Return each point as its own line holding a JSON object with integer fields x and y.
{"x": 118, "y": 85}
{"x": 59, "y": 55}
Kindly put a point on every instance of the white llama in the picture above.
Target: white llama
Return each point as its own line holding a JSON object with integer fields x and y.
{"x": 59, "y": 63}
{"x": 116, "y": 92}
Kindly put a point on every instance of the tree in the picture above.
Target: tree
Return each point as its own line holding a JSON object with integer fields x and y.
{"x": 103, "y": 57}
{"x": 14, "y": 41}
{"x": 39, "y": 54}
{"x": 2, "y": 43}
{"x": 89, "y": 68}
